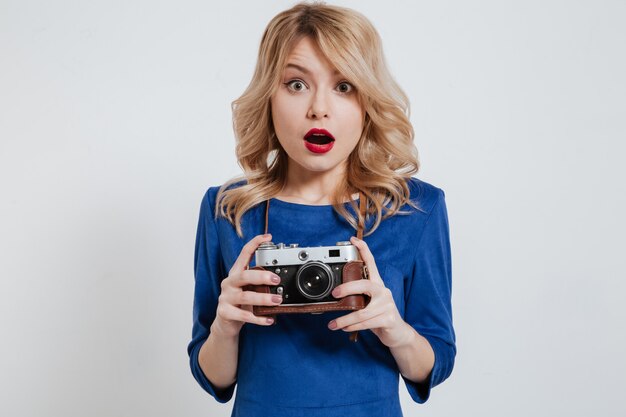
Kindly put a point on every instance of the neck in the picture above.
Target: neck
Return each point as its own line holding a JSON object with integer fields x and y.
{"x": 309, "y": 187}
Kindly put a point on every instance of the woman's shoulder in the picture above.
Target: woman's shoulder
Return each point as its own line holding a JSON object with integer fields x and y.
{"x": 210, "y": 196}
{"x": 424, "y": 194}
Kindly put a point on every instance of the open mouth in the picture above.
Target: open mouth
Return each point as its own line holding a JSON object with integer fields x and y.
{"x": 319, "y": 139}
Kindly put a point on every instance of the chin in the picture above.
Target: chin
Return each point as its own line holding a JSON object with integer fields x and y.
{"x": 319, "y": 166}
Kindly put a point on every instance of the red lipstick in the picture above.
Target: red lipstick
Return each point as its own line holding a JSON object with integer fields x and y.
{"x": 319, "y": 140}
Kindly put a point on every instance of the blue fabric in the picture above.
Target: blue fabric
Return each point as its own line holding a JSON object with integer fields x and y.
{"x": 299, "y": 363}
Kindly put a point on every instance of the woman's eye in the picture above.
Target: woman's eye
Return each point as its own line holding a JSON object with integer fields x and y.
{"x": 345, "y": 87}
{"x": 295, "y": 85}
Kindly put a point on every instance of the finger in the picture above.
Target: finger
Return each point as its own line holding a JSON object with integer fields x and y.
{"x": 367, "y": 257}
{"x": 373, "y": 323}
{"x": 252, "y": 298}
{"x": 243, "y": 260}
{"x": 231, "y": 312}
{"x": 360, "y": 286}
{"x": 354, "y": 318}
{"x": 255, "y": 277}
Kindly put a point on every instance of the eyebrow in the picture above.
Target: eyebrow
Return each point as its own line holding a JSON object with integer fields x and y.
{"x": 304, "y": 70}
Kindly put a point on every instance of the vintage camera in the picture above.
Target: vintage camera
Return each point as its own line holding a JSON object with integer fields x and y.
{"x": 308, "y": 277}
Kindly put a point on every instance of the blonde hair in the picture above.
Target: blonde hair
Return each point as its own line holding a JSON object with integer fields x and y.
{"x": 385, "y": 156}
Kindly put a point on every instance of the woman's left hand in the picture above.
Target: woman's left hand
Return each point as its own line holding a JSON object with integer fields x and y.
{"x": 381, "y": 315}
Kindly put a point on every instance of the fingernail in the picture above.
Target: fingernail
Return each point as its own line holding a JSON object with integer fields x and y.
{"x": 269, "y": 321}
{"x": 335, "y": 293}
{"x": 277, "y": 298}
{"x": 275, "y": 279}
{"x": 332, "y": 325}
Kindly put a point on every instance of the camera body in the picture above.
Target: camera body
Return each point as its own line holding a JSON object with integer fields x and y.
{"x": 307, "y": 278}
{"x": 309, "y": 274}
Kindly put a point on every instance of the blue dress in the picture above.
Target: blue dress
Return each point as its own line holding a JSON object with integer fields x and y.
{"x": 300, "y": 367}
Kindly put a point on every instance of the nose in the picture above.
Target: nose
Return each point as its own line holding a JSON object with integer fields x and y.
{"x": 319, "y": 107}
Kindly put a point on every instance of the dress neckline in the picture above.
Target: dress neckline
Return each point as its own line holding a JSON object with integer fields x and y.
{"x": 279, "y": 202}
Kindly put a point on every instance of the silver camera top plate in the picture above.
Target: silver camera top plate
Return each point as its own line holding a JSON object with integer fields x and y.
{"x": 270, "y": 254}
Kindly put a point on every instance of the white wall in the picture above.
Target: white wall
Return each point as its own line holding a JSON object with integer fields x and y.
{"x": 115, "y": 118}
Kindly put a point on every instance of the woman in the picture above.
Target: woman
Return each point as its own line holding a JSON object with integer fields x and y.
{"x": 321, "y": 127}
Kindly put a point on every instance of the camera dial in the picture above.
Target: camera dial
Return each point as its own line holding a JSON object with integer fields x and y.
{"x": 267, "y": 245}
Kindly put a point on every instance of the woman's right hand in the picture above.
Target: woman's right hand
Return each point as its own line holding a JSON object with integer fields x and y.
{"x": 234, "y": 307}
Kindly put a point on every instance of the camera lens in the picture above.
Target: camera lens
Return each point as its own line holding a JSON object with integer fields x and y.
{"x": 314, "y": 280}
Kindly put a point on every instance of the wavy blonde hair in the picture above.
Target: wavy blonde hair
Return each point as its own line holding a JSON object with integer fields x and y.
{"x": 385, "y": 156}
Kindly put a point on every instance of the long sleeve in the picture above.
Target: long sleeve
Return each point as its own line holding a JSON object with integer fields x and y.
{"x": 208, "y": 271}
{"x": 428, "y": 299}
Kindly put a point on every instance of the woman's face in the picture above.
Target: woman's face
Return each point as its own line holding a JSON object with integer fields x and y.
{"x": 316, "y": 113}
